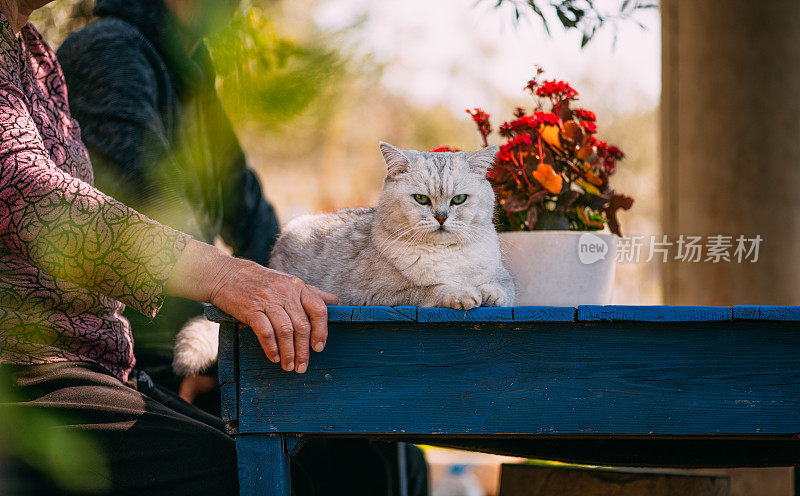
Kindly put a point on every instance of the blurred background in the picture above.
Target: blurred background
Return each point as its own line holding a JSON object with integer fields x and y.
{"x": 327, "y": 79}
{"x": 337, "y": 76}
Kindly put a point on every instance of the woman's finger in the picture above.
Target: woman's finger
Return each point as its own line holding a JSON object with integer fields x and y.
{"x": 317, "y": 312}
{"x": 284, "y": 332}
{"x": 262, "y": 327}
{"x": 328, "y": 298}
{"x": 302, "y": 333}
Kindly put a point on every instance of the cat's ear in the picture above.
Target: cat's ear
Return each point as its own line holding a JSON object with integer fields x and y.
{"x": 483, "y": 159}
{"x": 396, "y": 161}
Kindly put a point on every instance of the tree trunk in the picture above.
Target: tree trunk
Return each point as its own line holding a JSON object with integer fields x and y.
{"x": 731, "y": 145}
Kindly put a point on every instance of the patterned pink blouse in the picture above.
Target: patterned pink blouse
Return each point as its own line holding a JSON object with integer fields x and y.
{"x": 69, "y": 255}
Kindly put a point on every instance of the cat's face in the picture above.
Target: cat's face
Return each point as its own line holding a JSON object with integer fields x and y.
{"x": 439, "y": 198}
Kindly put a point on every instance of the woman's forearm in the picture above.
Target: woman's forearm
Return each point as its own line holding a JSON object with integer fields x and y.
{"x": 198, "y": 271}
{"x": 67, "y": 228}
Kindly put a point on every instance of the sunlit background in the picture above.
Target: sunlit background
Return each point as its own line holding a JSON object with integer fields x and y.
{"x": 426, "y": 62}
{"x": 333, "y": 77}
{"x": 404, "y": 71}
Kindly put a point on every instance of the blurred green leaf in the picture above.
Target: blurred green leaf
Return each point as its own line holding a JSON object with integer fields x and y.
{"x": 265, "y": 77}
{"x": 71, "y": 458}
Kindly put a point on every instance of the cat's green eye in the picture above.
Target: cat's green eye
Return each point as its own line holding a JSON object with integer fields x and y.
{"x": 422, "y": 199}
{"x": 458, "y": 199}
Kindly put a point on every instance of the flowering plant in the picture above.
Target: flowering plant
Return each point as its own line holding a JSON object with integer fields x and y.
{"x": 553, "y": 171}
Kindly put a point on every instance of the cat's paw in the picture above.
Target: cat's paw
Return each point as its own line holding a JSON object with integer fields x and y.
{"x": 461, "y": 299}
{"x": 494, "y": 295}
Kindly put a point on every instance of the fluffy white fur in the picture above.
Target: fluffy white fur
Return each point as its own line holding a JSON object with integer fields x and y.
{"x": 196, "y": 346}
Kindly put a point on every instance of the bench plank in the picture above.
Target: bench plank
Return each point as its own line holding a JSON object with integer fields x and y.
{"x": 544, "y": 314}
{"x": 583, "y": 313}
{"x": 739, "y": 378}
{"x": 263, "y": 466}
{"x": 654, "y": 313}
{"x": 766, "y": 312}
{"x": 227, "y": 362}
{"x": 480, "y": 314}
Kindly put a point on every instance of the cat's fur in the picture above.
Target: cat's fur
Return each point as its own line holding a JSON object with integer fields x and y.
{"x": 398, "y": 253}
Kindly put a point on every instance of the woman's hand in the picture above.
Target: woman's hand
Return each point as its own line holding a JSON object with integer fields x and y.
{"x": 287, "y": 315}
{"x": 195, "y": 385}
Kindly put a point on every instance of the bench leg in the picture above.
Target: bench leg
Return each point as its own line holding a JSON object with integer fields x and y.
{"x": 264, "y": 465}
{"x": 402, "y": 469}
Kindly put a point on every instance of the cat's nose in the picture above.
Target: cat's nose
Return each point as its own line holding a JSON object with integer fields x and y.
{"x": 440, "y": 218}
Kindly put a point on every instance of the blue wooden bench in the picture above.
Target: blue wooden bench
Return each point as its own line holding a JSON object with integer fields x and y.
{"x": 612, "y": 385}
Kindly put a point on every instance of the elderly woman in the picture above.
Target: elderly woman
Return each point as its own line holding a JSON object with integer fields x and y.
{"x": 72, "y": 257}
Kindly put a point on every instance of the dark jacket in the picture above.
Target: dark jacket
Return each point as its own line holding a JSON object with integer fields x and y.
{"x": 158, "y": 136}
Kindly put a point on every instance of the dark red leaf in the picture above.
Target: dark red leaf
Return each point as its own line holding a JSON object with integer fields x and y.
{"x": 566, "y": 199}
{"x": 617, "y": 202}
{"x": 573, "y": 130}
{"x": 516, "y": 203}
{"x": 538, "y": 196}
{"x": 531, "y": 217}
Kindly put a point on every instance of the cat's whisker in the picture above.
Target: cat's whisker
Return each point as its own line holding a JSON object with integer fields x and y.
{"x": 400, "y": 232}
{"x": 403, "y": 228}
{"x": 408, "y": 247}
{"x": 415, "y": 234}
{"x": 392, "y": 238}
{"x": 390, "y": 241}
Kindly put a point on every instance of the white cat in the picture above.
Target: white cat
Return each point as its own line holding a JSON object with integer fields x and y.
{"x": 430, "y": 241}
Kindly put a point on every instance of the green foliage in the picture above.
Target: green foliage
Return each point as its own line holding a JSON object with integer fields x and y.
{"x": 71, "y": 458}
{"x": 265, "y": 77}
{"x": 582, "y": 15}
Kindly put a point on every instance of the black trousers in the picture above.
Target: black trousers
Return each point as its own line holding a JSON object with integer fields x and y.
{"x": 157, "y": 444}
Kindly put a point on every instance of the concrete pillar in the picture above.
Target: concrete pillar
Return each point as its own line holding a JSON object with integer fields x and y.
{"x": 731, "y": 145}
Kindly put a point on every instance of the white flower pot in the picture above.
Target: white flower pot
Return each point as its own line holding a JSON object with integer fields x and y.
{"x": 561, "y": 268}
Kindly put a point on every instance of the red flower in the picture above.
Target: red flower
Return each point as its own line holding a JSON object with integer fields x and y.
{"x": 615, "y": 152}
{"x": 512, "y": 145}
{"x": 445, "y": 149}
{"x": 547, "y": 118}
{"x": 478, "y": 115}
{"x": 481, "y": 118}
{"x": 556, "y": 89}
{"x": 533, "y": 83}
{"x": 525, "y": 121}
{"x": 530, "y": 121}
{"x": 589, "y": 126}
{"x": 585, "y": 115}
{"x": 609, "y": 154}
{"x": 534, "y": 167}
{"x": 522, "y": 139}
{"x": 612, "y": 155}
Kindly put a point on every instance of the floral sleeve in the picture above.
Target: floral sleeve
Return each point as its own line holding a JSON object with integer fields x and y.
{"x": 69, "y": 229}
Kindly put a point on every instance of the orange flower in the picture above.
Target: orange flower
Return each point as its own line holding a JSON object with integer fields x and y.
{"x": 550, "y": 135}
{"x": 551, "y": 181}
